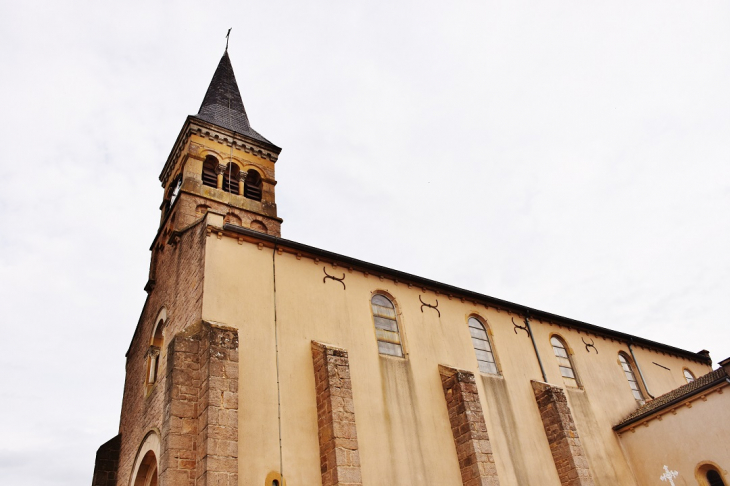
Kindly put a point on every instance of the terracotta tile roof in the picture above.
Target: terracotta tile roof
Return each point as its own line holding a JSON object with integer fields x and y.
{"x": 675, "y": 395}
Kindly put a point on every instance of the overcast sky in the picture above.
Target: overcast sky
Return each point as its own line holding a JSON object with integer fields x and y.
{"x": 567, "y": 155}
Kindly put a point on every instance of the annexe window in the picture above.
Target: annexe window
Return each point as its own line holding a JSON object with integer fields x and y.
{"x": 688, "y": 376}
{"x": 566, "y": 366}
{"x": 386, "y": 326}
{"x": 714, "y": 478}
{"x": 628, "y": 370}
{"x": 482, "y": 347}
{"x": 210, "y": 178}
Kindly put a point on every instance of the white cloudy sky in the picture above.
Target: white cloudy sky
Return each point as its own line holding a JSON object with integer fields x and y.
{"x": 567, "y": 155}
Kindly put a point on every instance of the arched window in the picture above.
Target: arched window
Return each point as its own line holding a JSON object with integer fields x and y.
{"x": 252, "y": 187}
{"x": 709, "y": 474}
{"x": 230, "y": 178}
{"x": 564, "y": 362}
{"x": 628, "y": 370}
{"x": 688, "y": 376}
{"x": 714, "y": 478}
{"x": 386, "y": 326}
{"x": 153, "y": 352}
{"x": 482, "y": 347}
{"x": 174, "y": 192}
{"x": 210, "y": 178}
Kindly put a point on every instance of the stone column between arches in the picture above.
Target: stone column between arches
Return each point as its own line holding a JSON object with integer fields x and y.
{"x": 468, "y": 427}
{"x": 338, "y": 448}
{"x": 562, "y": 435}
{"x": 200, "y": 419}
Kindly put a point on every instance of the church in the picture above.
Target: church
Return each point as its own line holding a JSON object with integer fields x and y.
{"x": 261, "y": 361}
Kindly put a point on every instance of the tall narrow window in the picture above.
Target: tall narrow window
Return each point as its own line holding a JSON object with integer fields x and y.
{"x": 153, "y": 355}
{"x": 210, "y": 178}
{"x": 386, "y": 326}
{"x": 482, "y": 347}
{"x": 230, "y": 178}
{"x": 625, "y": 362}
{"x": 252, "y": 187}
{"x": 688, "y": 376}
{"x": 566, "y": 366}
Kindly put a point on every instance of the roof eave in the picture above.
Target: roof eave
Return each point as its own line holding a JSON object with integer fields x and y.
{"x": 624, "y": 425}
{"x": 521, "y": 309}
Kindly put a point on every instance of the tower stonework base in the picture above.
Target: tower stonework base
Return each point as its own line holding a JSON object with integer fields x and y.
{"x": 200, "y": 428}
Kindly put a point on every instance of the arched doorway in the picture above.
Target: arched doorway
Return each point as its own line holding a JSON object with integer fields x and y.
{"x": 147, "y": 472}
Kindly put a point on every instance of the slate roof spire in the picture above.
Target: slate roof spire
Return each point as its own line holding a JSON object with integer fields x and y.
{"x": 223, "y": 105}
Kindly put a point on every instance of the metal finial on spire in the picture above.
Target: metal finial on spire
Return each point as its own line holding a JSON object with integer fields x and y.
{"x": 228, "y": 34}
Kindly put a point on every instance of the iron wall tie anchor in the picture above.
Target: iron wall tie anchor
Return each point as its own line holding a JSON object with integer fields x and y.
{"x": 434, "y": 307}
{"x": 524, "y": 328}
{"x": 591, "y": 345}
{"x": 327, "y": 275}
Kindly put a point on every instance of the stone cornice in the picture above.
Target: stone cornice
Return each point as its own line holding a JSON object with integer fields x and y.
{"x": 196, "y": 126}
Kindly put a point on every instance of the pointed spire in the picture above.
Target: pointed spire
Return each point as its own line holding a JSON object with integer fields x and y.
{"x": 223, "y": 105}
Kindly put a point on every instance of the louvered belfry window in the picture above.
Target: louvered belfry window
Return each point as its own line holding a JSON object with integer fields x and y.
{"x": 252, "y": 188}
{"x": 482, "y": 347}
{"x": 631, "y": 377}
{"x": 566, "y": 366}
{"x": 210, "y": 178}
{"x": 230, "y": 178}
{"x": 386, "y": 326}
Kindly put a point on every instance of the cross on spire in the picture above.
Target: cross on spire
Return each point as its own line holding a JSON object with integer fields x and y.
{"x": 668, "y": 475}
{"x": 228, "y": 35}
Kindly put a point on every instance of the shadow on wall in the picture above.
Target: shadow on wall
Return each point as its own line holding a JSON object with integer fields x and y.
{"x": 401, "y": 422}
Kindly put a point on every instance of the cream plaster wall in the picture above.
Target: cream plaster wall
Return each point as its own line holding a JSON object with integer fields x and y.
{"x": 682, "y": 442}
{"x": 402, "y": 423}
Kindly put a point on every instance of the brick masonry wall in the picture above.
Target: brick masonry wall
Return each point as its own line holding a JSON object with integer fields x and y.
{"x": 107, "y": 461}
{"x": 187, "y": 213}
{"x": 338, "y": 449}
{"x": 562, "y": 434}
{"x": 179, "y": 288}
{"x": 468, "y": 427}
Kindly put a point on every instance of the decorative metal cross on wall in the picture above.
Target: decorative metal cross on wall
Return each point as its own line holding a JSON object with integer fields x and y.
{"x": 669, "y": 475}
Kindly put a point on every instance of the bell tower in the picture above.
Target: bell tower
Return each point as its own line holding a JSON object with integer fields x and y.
{"x": 220, "y": 164}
